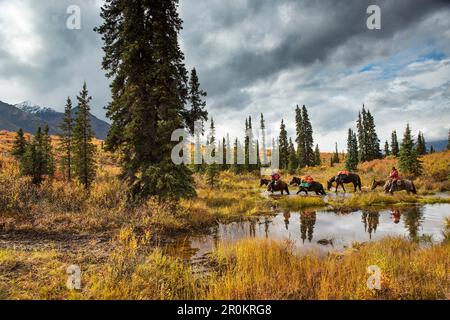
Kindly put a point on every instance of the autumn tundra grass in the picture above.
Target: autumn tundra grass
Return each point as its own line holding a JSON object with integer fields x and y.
{"x": 250, "y": 269}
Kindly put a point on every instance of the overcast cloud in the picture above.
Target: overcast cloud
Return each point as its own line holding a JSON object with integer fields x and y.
{"x": 257, "y": 56}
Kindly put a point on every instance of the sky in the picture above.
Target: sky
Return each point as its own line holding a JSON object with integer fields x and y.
{"x": 257, "y": 56}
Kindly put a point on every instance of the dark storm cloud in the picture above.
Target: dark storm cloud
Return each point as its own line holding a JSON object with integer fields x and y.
{"x": 303, "y": 42}
{"x": 252, "y": 56}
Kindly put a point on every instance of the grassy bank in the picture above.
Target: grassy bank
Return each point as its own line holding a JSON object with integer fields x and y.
{"x": 251, "y": 269}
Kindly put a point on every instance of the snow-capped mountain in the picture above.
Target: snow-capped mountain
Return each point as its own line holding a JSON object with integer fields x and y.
{"x": 29, "y": 116}
{"x": 30, "y": 107}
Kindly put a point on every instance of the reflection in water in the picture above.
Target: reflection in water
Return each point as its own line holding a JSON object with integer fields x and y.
{"x": 413, "y": 218}
{"x": 370, "y": 221}
{"x": 307, "y": 222}
{"x": 287, "y": 216}
{"x": 343, "y": 227}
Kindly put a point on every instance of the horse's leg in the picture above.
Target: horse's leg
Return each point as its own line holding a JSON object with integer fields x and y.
{"x": 356, "y": 186}
{"x": 343, "y": 188}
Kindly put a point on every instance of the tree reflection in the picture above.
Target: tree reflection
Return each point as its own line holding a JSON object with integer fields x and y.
{"x": 371, "y": 220}
{"x": 307, "y": 223}
{"x": 413, "y": 218}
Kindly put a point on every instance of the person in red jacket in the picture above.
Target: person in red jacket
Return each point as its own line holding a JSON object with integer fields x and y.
{"x": 394, "y": 177}
{"x": 275, "y": 178}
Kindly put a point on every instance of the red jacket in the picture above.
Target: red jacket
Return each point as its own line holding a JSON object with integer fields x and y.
{"x": 275, "y": 177}
{"x": 394, "y": 175}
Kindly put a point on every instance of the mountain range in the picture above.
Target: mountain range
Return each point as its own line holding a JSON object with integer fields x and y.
{"x": 29, "y": 117}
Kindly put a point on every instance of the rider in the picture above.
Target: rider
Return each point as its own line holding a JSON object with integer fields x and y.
{"x": 307, "y": 180}
{"x": 394, "y": 177}
{"x": 275, "y": 178}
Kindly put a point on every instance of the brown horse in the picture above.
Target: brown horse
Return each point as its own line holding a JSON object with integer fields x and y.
{"x": 278, "y": 186}
{"x": 313, "y": 187}
{"x": 402, "y": 184}
{"x": 344, "y": 179}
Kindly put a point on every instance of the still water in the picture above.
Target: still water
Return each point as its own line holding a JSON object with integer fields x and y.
{"x": 323, "y": 230}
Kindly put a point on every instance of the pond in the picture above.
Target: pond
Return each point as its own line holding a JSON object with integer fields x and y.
{"x": 322, "y": 230}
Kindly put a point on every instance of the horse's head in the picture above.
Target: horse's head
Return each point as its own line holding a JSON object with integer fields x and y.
{"x": 295, "y": 180}
{"x": 330, "y": 183}
{"x": 374, "y": 184}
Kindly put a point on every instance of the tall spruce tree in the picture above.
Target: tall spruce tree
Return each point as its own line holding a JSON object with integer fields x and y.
{"x": 432, "y": 149}
{"x": 362, "y": 140}
{"x": 66, "y": 144}
{"x": 300, "y": 137}
{"x": 283, "y": 146}
{"x": 368, "y": 142}
{"x": 336, "y": 155}
{"x": 149, "y": 92}
{"x": 20, "y": 145}
{"x": 83, "y": 147}
{"x": 292, "y": 158}
{"x": 421, "y": 144}
{"x": 197, "y": 112}
{"x": 262, "y": 124}
{"x": 372, "y": 141}
{"x": 408, "y": 160}
{"x": 387, "y": 151}
{"x": 308, "y": 137}
{"x": 48, "y": 152}
{"x": 212, "y": 170}
{"x": 317, "y": 159}
{"x": 351, "y": 161}
{"x": 395, "y": 149}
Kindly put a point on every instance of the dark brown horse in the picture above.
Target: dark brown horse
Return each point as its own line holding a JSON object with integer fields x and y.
{"x": 313, "y": 187}
{"x": 402, "y": 184}
{"x": 278, "y": 186}
{"x": 345, "y": 179}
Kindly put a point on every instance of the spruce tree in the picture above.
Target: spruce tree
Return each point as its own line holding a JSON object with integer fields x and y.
{"x": 292, "y": 159}
{"x": 421, "y": 144}
{"x": 300, "y": 137}
{"x": 308, "y": 138}
{"x": 197, "y": 112}
{"x": 20, "y": 145}
{"x": 395, "y": 149}
{"x": 317, "y": 159}
{"x": 362, "y": 140}
{"x": 224, "y": 154}
{"x": 212, "y": 170}
{"x": 264, "y": 142}
{"x": 149, "y": 94}
{"x": 283, "y": 146}
{"x": 387, "y": 151}
{"x": 37, "y": 160}
{"x": 448, "y": 140}
{"x": 408, "y": 160}
{"x": 372, "y": 141}
{"x": 66, "y": 144}
{"x": 83, "y": 147}
{"x": 49, "y": 158}
{"x": 336, "y": 155}
{"x": 351, "y": 162}
{"x": 432, "y": 149}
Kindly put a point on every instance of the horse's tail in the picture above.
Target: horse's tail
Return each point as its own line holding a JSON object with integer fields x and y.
{"x": 287, "y": 189}
{"x": 359, "y": 183}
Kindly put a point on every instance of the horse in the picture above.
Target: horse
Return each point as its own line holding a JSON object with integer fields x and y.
{"x": 313, "y": 187}
{"x": 278, "y": 186}
{"x": 401, "y": 185}
{"x": 345, "y": 179}
{"x": 376, "y": 184}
